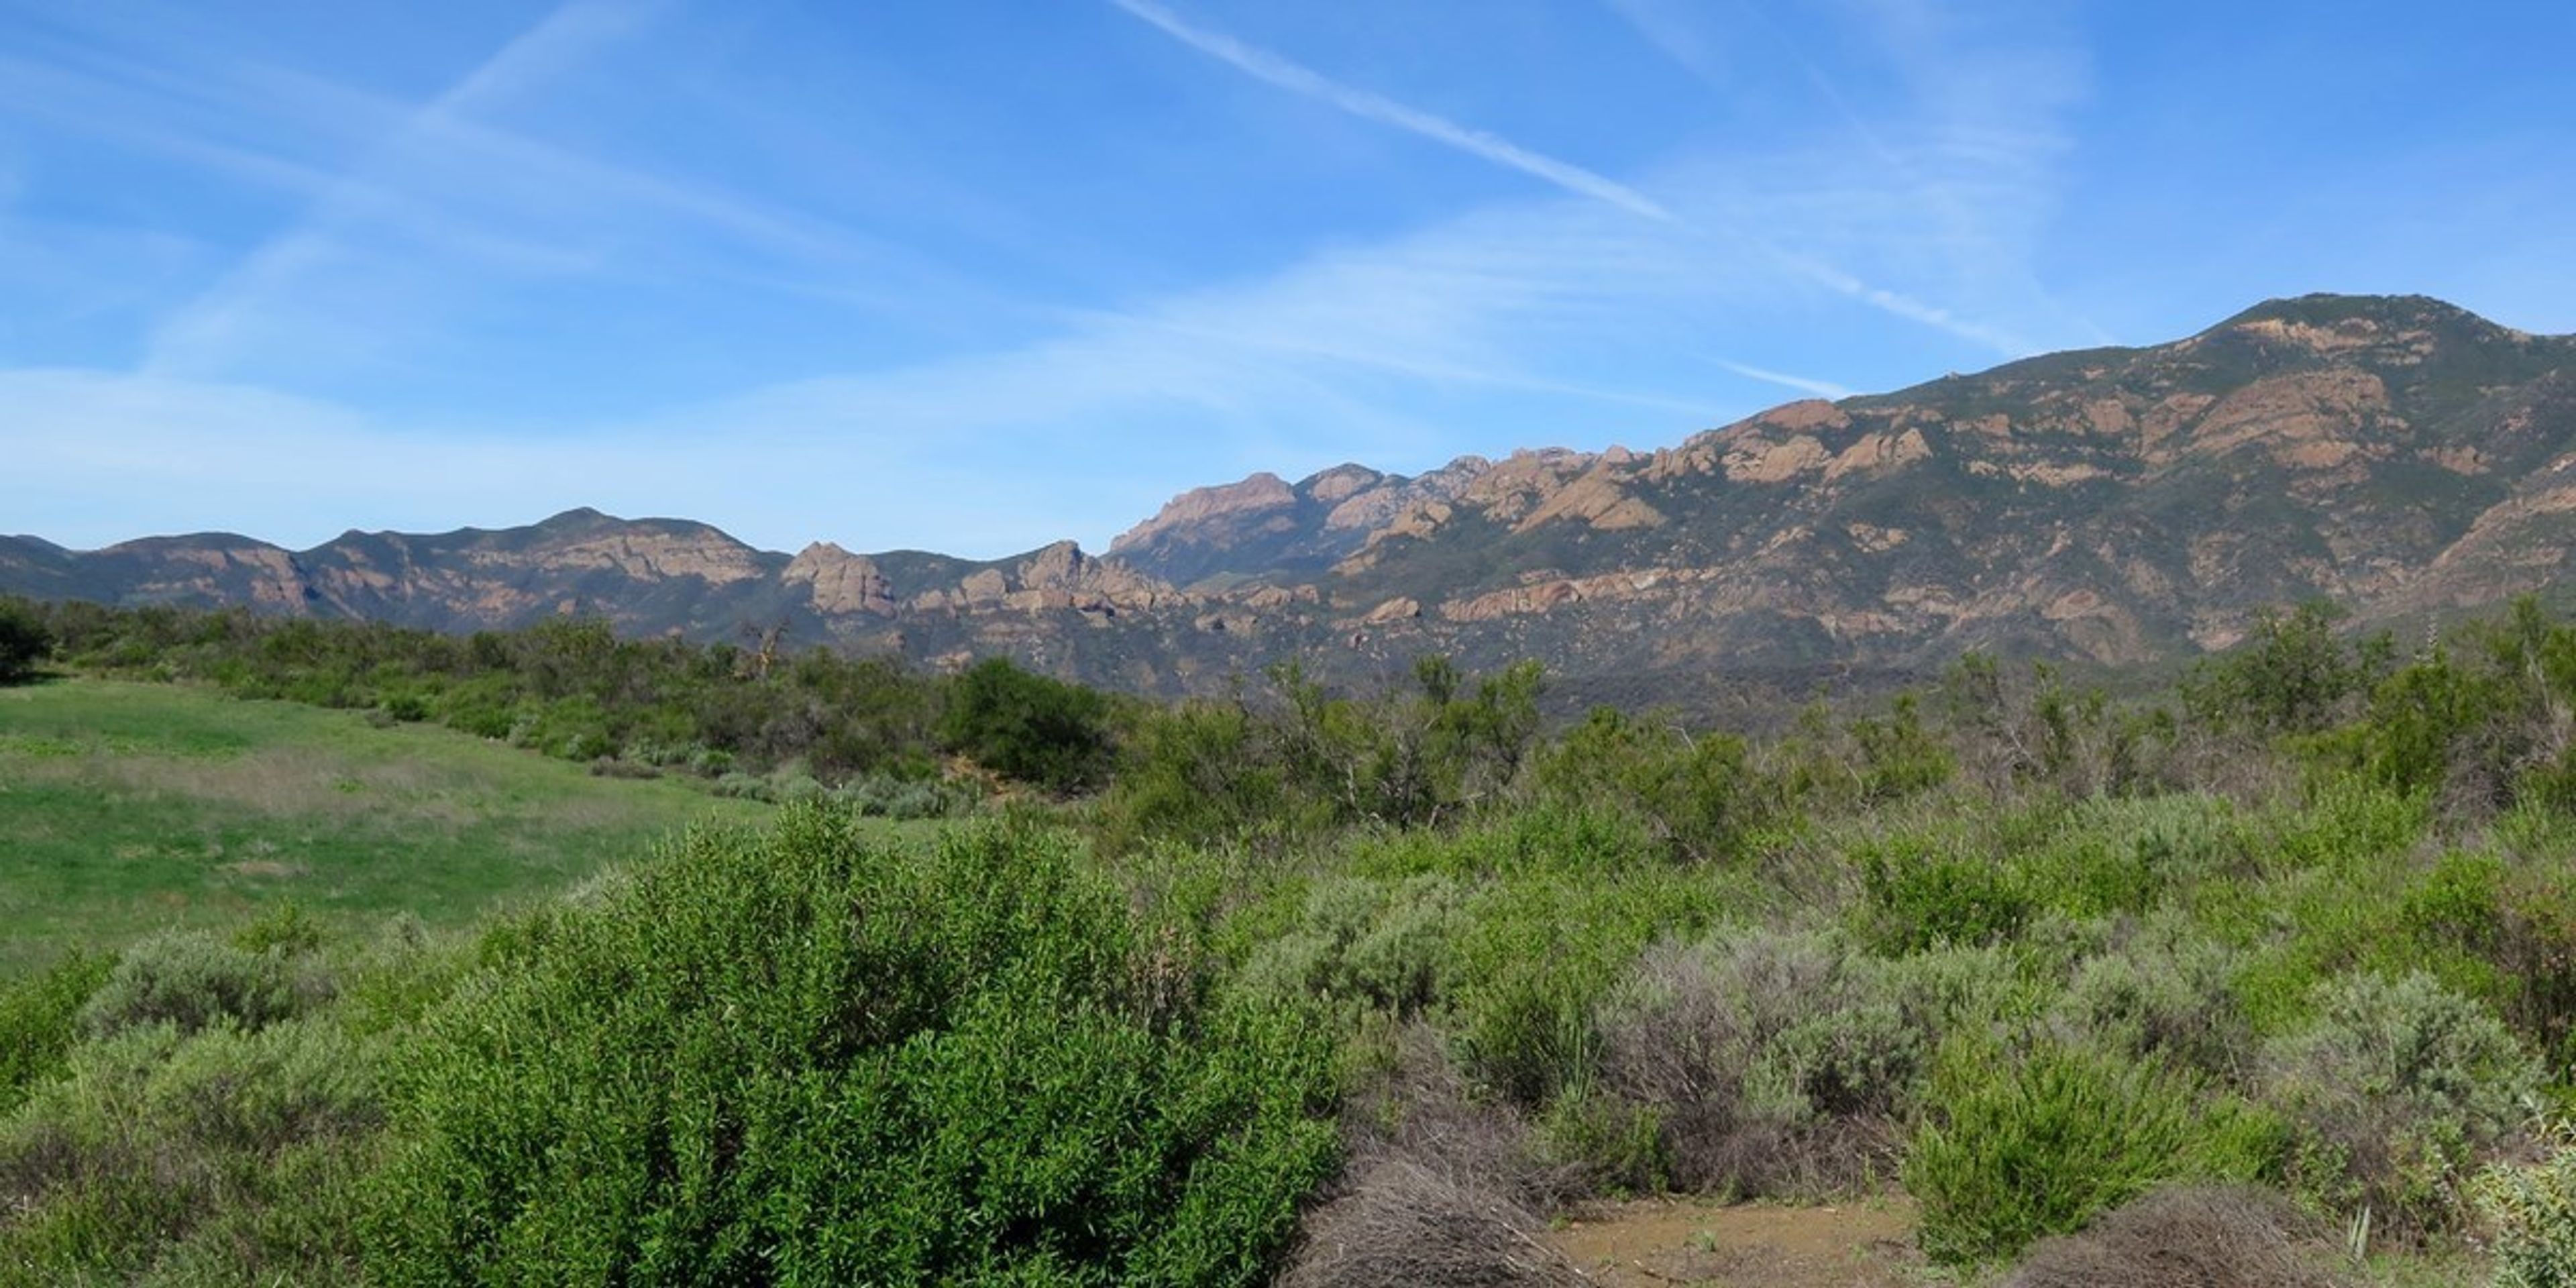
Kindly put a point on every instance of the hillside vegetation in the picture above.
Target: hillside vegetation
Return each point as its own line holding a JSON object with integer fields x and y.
{"x": 2277, "y": 968}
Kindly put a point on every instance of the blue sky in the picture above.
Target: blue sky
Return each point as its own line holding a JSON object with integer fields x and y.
{"x": 975, "y": 275}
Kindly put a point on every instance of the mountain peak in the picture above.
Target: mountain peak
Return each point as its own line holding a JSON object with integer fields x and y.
{"x": 2329, "y": 310}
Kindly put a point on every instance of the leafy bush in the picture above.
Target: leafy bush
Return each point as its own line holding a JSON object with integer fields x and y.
{"x": 807, "y": 1056}
{"x": 887, "y": 796}
{"x": 1980, "y": 989}
{"x": 2401, "y": 1085}
{"x": 2166, "y": 995}
{"x": 25, "y": 640}
{"x": 1028, "y": 726}
{"x": 2532, "y": 1210}
{"x": 1921, "y": 892}
{"x": 39, "y": 1021}
{"x": 2013, "y": 1151}
{"x": 192, "y": 980}
{"x": 1525, "y": 974}
{"x": 1698, "y": 795}
{"x": 1364, "y": 944}
{"x": 2293, "y": 674}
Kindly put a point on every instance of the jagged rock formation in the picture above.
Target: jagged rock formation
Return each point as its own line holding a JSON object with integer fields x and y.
{"x": 2396, "y": 454}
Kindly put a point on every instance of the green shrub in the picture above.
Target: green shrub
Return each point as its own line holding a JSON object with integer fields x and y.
{"x": 809, "y": 1056}
{"x": 2293, "y": 674}
{"x": 2167, "y": 995}
{"x": 1028, "y": 726}
{"x": 25, "y": 640}
{"x": 39, "y": 1021}
{"x": 2531, "y": 1207}
{"x": 882, "y": 795}
{"x": 2015, "y": 1150}
{"x": 192, "y": 980}
{"x": 1698, "y": 795}
{"x": 1364, "y": 944}
{"x": 1526, "y": 971}
{"x": 1921, "y": 892}
{"x": 1541, "y": 840}
{"x": 2401, "y": 1086}
{"x": 1989, "y": 989}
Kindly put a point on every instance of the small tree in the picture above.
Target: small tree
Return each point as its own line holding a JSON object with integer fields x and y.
{"x": 1028, "y": 726}
{"x": 24, "y": 640}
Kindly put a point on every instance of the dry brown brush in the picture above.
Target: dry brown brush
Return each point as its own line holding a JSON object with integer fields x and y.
{"x": 2190, "y": 1237}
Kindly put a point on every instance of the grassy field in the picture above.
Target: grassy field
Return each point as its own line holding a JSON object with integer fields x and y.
{"x": 125, "y": 808}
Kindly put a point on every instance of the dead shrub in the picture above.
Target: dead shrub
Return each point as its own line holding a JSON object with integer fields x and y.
{"x": 2193, "y": 1236}
{"x": 1442, "y": 1187}
{"x": 1421, "y": 1109}
{"x": 1401, "y": 1224}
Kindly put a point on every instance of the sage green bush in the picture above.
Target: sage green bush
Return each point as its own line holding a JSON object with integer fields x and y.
{"x": 192, "y": 979}
{"x": 1365, "y": 945}
{"x": 193, "y": 1157}
{"x": 2400, "y": 1086}
{"x": 1767, "y": 1061}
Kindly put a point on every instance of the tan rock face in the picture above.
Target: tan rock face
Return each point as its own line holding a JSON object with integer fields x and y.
{"x": 1393, "y": 610}
{"x": 1340, "y": 483}
{"x": 1374, "y": 507}
{"x": 1199, "y": 506}
{"x": 1878, "y": 453}
{"x": 647, "y": 555}
{"x": 2124, "y": 503}
{"x": 1598, "y": 498}
{"x": 2289, "y": 411}
{"x": 1805, "y": 416}
{"x": 837, "y": 581}
{"x": 1766, "y": 461}
{"x": 1523, "y": 482}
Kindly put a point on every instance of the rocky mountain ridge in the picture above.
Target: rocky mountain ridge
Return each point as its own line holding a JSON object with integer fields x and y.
{"x": 2396, "y": 454}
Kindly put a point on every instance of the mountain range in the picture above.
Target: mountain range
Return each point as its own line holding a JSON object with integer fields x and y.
{"x": 2398, "y": 455}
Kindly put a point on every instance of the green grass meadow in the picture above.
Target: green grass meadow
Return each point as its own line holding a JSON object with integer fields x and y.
{"x": 127, "y": 808}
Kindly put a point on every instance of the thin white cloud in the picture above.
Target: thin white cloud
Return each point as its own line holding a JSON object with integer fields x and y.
{"x": 1803, "y": 384}
{"x": 200, "y": 334}
{"x": 1376, "y": 107}
{"x": 1297, "y": 78}
{"x": 404, "y": 235}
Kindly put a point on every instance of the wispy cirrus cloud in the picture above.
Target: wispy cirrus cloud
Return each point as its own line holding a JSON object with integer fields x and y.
{"x": 1803, "y": 384}
{"x": 410, "y": 216}
{"x": 200, "y": 334}
{"x": 1596, "y": 309}
{"x": 1298, "y": 78}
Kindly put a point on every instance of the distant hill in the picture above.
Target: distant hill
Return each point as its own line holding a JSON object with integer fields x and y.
{"x": 2399, "y": 455}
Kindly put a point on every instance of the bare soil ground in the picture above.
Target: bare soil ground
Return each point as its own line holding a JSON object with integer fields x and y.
{"x": 1655, "y": 1242}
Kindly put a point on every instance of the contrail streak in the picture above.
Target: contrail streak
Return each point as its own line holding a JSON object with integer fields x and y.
{"x": 1359, "y": 102}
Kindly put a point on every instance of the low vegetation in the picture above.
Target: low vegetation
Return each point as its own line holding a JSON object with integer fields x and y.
{"x": 129, "y": 807}
{"x": 2266, "y": 980}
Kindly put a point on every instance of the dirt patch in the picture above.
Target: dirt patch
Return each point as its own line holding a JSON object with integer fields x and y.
{"x": 1865, "y": 1244}
{"x": 263, "y": 868}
